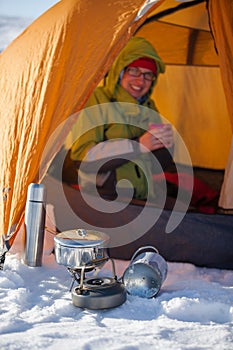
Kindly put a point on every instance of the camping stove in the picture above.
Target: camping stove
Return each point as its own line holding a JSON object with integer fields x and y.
{"x": 83, "y": 251}
{"x": 96, "y": 292}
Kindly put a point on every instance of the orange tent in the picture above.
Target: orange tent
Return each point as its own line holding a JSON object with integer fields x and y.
{"x": 47, "y": 74}
{"x": 50, "y": 70}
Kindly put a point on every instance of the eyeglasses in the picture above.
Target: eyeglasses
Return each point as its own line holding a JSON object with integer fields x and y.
{"x": 136, "y": 72}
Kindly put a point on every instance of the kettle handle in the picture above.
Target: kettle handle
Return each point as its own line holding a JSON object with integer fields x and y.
{"x": 141, "y": 249}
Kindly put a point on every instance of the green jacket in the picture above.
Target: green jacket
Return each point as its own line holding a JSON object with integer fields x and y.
{"x": 112, "y": 115}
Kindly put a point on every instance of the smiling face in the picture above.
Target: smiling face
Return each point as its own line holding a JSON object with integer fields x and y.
{"x": 136, "y": 86}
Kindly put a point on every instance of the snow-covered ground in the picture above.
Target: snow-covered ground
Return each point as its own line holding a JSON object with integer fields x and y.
{"x": 194, "y": 310}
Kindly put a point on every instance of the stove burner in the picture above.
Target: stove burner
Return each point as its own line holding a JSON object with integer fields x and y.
{"x": 96, "y": 281}
{"x": 102, "y": 293}
{"x": 96, "y": 292}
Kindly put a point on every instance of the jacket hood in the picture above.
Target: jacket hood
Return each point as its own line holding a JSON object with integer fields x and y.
{"x": 135, "y": 48}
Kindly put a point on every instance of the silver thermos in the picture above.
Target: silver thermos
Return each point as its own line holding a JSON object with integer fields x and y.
{"x": 34, "y": 224}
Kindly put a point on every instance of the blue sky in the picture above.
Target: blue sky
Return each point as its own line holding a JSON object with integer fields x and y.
{"x": 25, "y": 8}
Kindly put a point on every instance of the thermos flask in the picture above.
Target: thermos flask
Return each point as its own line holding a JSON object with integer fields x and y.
{"x": 34, "y": 224}
{"x": 146, "y": 273}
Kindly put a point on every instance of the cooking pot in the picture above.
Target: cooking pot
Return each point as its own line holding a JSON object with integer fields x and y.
{"x": 81, "y": 248}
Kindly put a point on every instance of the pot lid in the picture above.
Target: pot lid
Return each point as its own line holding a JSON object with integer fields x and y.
{"x": 81, "y": 238}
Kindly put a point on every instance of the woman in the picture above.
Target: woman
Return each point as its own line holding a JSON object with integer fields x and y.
{"x": 120, "y": 128}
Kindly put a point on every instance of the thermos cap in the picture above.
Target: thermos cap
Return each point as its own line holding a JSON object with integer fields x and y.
{"x": 36, "y": 193}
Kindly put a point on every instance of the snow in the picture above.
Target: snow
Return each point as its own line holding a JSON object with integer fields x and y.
{"x": 193, "y": 310}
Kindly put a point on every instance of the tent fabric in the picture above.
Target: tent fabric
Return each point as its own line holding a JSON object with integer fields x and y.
{"x": 226, "y": 194}
{"x": 50, "y": 70}
{"x": 191, "y": 95}
{"x": 47, "y": 74}
{"x": 221, "y": 15}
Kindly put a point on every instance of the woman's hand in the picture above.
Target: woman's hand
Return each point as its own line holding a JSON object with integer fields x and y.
{"x": 158, "y": 136}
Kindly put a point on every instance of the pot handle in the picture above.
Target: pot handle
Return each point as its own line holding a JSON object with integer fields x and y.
{"x": 141, "y": 249}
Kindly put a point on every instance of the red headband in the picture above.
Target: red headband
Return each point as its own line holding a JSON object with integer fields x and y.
{"x": 144, "y": 62}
